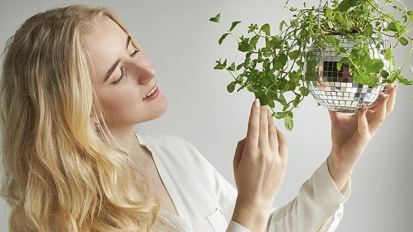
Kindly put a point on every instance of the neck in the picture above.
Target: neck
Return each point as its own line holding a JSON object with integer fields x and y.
{"x": 127, "y": 139}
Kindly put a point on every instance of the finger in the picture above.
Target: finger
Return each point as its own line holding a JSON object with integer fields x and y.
{"x": 282, "y": 145}
{"x": 363, "y": 125}
{"x": 380, "y": 114}
{"x": 263, "y": 136}
{"x": 253, "y": 124}
{"x": 238, "y": 153}
{"x": 272, "y": 133}
{"x": 392, "y": 91}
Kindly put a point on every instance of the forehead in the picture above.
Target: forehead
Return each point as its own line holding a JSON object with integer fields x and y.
{"x": 105, "y": 44}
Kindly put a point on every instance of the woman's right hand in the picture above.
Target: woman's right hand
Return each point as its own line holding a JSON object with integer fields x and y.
{"x": 260, "y": 163}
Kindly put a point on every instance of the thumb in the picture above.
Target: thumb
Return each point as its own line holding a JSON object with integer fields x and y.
{"x": 238, "y": 153}
{"x": 363, "y": 125}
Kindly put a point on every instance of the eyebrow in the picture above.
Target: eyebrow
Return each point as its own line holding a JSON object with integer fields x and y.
{"x": 113, "y": 67}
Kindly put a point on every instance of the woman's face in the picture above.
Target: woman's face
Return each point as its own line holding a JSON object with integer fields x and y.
{"x": 125, "y": 81}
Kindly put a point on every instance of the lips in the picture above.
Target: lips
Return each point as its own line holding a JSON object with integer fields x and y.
{"x": 151, "y": 93}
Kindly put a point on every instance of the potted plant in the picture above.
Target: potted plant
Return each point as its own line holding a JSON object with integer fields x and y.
{"x": 340, "y": 51}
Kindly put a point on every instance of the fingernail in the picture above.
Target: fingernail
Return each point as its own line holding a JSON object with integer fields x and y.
{"x": 257, "y": 103}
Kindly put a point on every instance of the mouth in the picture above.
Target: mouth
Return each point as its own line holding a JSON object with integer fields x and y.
{"x": 151, "y": 93}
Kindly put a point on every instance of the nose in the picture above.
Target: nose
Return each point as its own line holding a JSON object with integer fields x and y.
{"x": 143, "y": 71}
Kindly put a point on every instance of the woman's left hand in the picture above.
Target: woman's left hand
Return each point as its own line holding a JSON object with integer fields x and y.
{"x": 350, "y": 135}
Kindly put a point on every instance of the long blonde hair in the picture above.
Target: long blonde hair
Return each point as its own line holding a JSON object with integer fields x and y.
{"x": 60, "y": 173}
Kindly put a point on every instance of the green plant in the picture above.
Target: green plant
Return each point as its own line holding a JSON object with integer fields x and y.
{"x": 274, "y": 65}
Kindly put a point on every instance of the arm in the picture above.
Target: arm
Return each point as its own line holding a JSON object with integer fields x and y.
{"x": 350, "y": 135}
{"x": 260, "y": 163}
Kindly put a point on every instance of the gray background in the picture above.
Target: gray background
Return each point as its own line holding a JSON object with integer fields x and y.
{"x": 182, "y": 46}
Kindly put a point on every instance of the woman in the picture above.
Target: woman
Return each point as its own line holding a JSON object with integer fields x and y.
{"x": 74, "y": 86}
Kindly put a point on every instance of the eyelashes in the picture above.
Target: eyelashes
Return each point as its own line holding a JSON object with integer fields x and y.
{"x": 123, "y": 69}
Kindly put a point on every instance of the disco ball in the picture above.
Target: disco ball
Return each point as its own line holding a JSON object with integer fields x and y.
{"x": 335, "y": 89}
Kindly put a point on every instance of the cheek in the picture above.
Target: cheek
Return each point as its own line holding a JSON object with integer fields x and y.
{"x": 121, "y": 100}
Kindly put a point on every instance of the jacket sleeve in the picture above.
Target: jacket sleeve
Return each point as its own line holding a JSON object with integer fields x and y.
{"x": 317, "y": 208}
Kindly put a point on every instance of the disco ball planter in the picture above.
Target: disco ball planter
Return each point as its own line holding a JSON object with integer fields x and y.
{"x": 338, "y": 51}
{"x": 335, "y": 88}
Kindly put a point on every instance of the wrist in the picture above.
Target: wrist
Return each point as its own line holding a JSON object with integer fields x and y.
{"x": 252, "y": 216}
{"x": 339, "y": 171}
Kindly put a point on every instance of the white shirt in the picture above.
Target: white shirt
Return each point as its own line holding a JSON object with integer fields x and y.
{"x": 205, "y": 200}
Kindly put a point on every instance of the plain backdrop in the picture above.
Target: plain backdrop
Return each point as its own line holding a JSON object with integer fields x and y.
{"x": 182, "y": 45}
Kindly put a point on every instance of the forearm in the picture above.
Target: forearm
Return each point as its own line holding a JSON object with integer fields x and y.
{"x": 340, "y": 171}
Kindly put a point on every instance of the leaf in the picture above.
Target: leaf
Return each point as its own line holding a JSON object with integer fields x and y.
{"x": 347, "y": 4}
{"x": 410, "y": 13}
{"x": 243, "y": 46}
{"x": 222, "y": 38}
{"x": 231, "y": 87}
{"x": 403, "y": 40}
{"x": 266, "y": 29}
{"x": 375, "y": 65}
{"x": 232, "y": 67}
{"x": 393, "y": 26}
{"x": 233, "y": 25}
{"x": 294, "y": 54}
{"x": 368, "y": 31}
{"x": 384, "y": 73}
{"x": 389, "y": 54}
{"x": 403, "y": 80}
{"x": 282, "y": 25}
{"x": 219, "y": 65}
{"x": 328, "y": 12}
{"x": 304, "y": 91}
{"x": 276, "y": 42}
{"x": 216, "y": 18}
{"x": 288, "y": 121}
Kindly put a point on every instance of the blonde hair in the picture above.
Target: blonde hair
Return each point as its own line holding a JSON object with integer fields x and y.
{"x": 60, "y": 173}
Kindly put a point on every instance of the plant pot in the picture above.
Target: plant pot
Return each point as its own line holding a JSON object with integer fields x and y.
{"x": 335, "y": 89}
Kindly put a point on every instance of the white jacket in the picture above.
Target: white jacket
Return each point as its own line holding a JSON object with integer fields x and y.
{"x": 205, "y": 201}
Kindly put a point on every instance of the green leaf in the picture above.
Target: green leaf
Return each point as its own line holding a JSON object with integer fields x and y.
{"x": 243, "y": 45}
{"x": 231, "y": 87}
{"x": 294, "y": 54}
{"x": 282, "y": 25}
{"x": 304, "y": 91}
{"x": 393, "y": 26}
{"x": 384, "y": 73}
{"x": 328, "y": 12}
{"x": 222, "y": 38}
{"x": 283, "y": 59}
{"x": 232, "y": 67}
{"x": 410, "y": 13}
{"x": 216, "y": 18}
{"x": 347, "y": 4}
{"x": 271, "y": 104}
{"x": 403, "y": 80}
{"x": 276, "y": 42}
{"x": 389, "y": 54}
{"x": 233, "y": 25}
{"x": 368, "y": 31}
{"x": 375, "y": 65}
{"x": 403, "y": 41}
{"x": 288, "y": 121}
{"x": 220, "y": 65}
{"x": 277, "y": 65}
{"x": 297, "y": 100}
{"x": 266, "y": 29}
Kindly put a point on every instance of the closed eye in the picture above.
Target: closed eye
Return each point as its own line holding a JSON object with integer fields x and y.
{"x": 134, "y": 53}
{"x": 123, "y": 70}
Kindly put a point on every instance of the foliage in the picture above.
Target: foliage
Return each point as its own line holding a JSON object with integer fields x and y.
{"x": 274, "y": 65}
